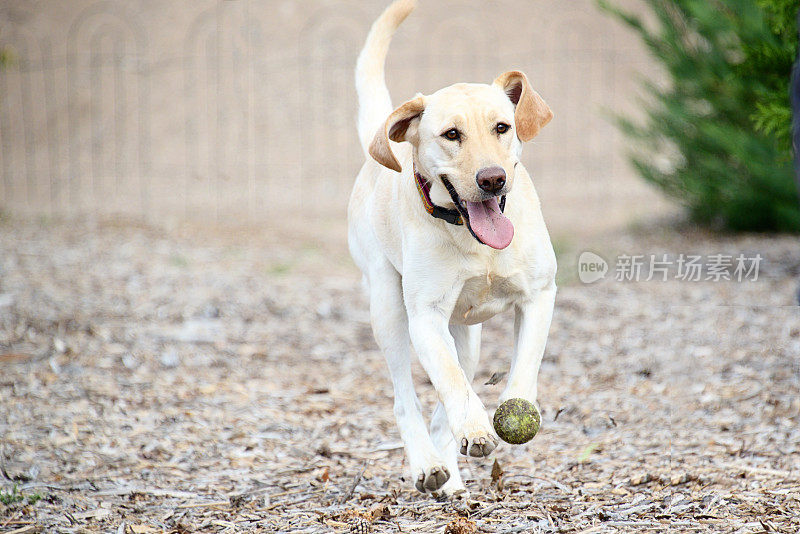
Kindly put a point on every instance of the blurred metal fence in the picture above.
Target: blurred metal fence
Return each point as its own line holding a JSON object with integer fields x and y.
{"x": 245, "y": 109}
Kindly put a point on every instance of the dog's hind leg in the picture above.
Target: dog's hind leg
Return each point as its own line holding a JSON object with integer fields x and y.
{"x": 390, "y": 327}
{"x": 468, "y": 346}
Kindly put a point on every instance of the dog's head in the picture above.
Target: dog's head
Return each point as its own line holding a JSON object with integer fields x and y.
{"x": 467, "y": 140}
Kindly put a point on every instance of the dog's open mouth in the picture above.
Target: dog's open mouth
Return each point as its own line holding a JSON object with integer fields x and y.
{"x": 484, "y": 219}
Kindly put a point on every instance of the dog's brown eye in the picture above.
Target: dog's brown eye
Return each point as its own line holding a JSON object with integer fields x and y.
{"x": 452, "y": 134}
{"x": 502, "y": 127}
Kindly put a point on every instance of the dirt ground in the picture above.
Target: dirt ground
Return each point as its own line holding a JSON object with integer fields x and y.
{"x": 182, "y": 381}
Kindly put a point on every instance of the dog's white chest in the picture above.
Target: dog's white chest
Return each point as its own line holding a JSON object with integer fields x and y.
{"x": 487, "y": 295}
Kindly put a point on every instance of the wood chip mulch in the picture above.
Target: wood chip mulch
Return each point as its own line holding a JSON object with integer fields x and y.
{"x": 179, "y": 382}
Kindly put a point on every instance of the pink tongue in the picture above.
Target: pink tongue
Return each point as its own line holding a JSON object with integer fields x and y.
{"x": 489, "y": 224}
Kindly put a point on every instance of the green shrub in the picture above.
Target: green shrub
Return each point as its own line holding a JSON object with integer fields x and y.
{"x": 717, "y": 137}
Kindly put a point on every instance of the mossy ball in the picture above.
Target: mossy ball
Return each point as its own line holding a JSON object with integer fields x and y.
{"x": 516, "y": 421}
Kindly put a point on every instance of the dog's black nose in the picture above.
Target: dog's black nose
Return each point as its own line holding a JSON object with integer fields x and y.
{"x": 491, "y": 179}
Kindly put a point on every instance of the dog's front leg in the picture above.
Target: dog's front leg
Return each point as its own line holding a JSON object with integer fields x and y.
{"x": 389, "y": 324}
{"x": 436, "y": 349}
{"x": 531, "y": 325}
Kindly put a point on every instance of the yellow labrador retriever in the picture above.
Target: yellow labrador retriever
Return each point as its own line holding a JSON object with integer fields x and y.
{"x": 446, "y": 227}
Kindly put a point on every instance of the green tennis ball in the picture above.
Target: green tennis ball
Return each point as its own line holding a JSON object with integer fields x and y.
{"x": 516, "y": 421}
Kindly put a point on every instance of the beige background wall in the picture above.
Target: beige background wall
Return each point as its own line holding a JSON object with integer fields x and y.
{"x": 243, "y": 110}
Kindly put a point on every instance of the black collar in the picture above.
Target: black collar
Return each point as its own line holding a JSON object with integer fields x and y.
{"x": 446, "y": 214}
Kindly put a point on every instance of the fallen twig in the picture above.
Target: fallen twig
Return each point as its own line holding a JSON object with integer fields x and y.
{"x": 25, "y": 530}
{"x": 203, "y": 504}
{"x": 352, "y": 489}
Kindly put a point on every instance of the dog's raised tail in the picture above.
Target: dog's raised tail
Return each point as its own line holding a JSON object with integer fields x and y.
{"x": 374, "y": 102}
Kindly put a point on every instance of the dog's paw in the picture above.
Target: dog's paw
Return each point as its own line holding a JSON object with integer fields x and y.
{"x": 478, "y": 446}
{"x": 432, "y": 479}
{"x": 475, "y": 435}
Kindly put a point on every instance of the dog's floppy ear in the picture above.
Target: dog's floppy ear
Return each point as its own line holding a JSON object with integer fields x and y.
{"x": 532, "y": 111}
{"x": 395, "y": 129}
